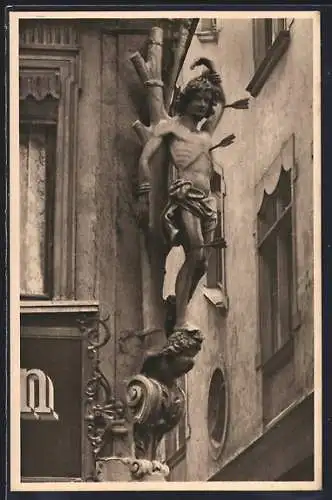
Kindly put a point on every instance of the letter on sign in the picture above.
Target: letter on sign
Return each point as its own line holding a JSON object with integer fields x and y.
{"x": 37, "y": 396}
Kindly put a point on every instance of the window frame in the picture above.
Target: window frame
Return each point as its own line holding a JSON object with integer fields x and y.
{"x": 268, "y": 360}
{"x": 266, "y": 54}
{"x": 216, "y": 446}
{"x": 275, "y": 235}
{"x": 215, "y": 289}
{"x": 64, "y": 61}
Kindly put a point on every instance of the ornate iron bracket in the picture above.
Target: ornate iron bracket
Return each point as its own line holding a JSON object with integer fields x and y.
{"x": 104, "y": 414}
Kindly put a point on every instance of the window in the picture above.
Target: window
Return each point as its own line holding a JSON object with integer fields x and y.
{"x": 270, "y": 41}
{"x": 48, "y": 86}
{"x": 217, "y": 411}
{"x": 266, "y": 32}
{"x": 215, "y": 289}
{"x": 277, "y": 264}
{"x": 207, "y": 30}
{"x": 37, "y": 168}
{"x": 215, "y": 267}
{"x": 275, "y": 251}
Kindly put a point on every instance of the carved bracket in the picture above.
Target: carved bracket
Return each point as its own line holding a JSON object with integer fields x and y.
{"x": 156, "y": 409}
{"x": 154, "y": 397}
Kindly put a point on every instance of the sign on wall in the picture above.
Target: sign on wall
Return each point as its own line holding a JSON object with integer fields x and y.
{"x": 37, "y": 395}
{"x": 51, "y": 407}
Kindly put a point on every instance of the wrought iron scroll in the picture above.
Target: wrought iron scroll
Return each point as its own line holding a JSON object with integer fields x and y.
{"x": 104, "y": 414}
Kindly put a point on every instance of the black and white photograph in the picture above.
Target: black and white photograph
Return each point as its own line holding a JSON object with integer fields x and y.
{"x": 165, "y": 262}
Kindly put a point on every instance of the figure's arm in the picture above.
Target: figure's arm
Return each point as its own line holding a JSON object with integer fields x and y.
{"x": 144, "y": 168}
{"x": 144, "y": 186}
{"x": 212, "y": 122}
{"x": 213, "y": 76}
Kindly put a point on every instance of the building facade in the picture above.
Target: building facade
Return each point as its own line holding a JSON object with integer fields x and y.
{"x": 80, "y": 258}
{"x": 250, "y": 394}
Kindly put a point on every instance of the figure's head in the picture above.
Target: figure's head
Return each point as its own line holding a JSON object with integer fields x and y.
{"x": 199, "y": 97}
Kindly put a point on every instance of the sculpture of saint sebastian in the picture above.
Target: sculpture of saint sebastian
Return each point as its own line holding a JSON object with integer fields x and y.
{"x": 190, "y": 217}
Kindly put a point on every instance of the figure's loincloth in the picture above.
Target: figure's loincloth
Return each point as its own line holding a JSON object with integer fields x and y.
{"x": 182, "y": 194}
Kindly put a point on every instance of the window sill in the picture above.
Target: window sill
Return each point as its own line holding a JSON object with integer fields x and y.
{"x": 217, "y": 297}
{"x": 265, "y": 68}
{"x": 58, "y": 306}
{"x": 279, "y": 359}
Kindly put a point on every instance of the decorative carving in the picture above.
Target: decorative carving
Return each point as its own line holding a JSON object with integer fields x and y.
{"x": 104, "y": 414}
{"x": 39, "y": 84}
{"x": 48, "y": 34}
{"x": 142, "y": 469}
{"x": 175, "y": 358}
{"x": 156, "y": 409}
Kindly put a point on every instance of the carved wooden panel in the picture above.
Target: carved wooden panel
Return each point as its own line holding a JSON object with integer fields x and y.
{"x": 45, "y": 34}
{"x": 39, "y": 84}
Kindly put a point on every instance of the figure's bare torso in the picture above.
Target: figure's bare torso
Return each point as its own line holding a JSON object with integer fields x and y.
{"x": 191, "y": 157}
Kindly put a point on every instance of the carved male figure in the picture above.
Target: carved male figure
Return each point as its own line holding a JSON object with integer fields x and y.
{"x": 190, "y": 217}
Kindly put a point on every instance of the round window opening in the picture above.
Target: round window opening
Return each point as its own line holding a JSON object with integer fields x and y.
{"x": 217, "y": 408}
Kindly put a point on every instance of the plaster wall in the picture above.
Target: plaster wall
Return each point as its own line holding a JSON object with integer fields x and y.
{"x": 283, "y": 107}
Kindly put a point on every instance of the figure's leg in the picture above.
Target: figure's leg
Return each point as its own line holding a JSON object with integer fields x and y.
{"x": 201, "y": 270}
{"x": 192, "y": 241}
